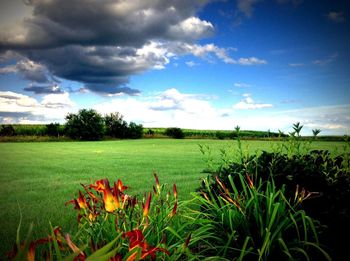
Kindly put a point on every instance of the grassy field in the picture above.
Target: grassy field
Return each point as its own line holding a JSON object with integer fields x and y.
{"x": 38, "y": 178}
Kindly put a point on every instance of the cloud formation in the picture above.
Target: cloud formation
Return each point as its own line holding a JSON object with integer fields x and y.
{"x": 100, "y": 44}
{"x": 249, "y": 104}
{"x": 19, "y": 108}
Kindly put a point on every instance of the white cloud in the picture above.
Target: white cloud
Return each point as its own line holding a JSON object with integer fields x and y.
{"x": 250, "y": 61}
{"x": 241, "y": 85}
{"x": 20, "y": 108}
{"x": 191, "y": 64}
{"x": 249, "y": 104}
{"x": 192, "y": 28}
{"x": 336, "y": 17}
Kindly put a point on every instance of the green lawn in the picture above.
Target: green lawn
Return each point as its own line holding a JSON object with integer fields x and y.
{"x": 38, "y": 178}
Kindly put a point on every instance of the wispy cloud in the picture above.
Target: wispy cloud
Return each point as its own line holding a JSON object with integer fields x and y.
{"x": 247, "y": 6}
{"x": 326, "y": 60}
{"x": 191, "y": 63}
{"x": 241, "y": 85}
{"x": 336, "y": 17}
{"x": 296, "y": 64}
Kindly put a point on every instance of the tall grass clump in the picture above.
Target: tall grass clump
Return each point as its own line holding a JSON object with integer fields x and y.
{"x": 255, "y": 221}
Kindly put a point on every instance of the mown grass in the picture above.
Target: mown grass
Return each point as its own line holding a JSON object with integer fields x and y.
{"x": 38, "y": 178}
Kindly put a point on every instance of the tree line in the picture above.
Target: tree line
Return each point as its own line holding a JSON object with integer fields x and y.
{"x": 88, "y": 124}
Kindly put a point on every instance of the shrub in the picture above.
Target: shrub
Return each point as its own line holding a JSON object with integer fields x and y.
{"x": 53, "y": 129}
{"x": 7, "y": 130}
{"x": 86, "y": 125}
{"x": 135, "y": 131}
{"x": 175, "y": 133}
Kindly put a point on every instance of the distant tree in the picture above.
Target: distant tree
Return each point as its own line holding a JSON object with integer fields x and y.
{"x": 85, "y": 125}
{"x": 175, "y": 133}
{"x": 116, "y": 126}
{"x": 53, "y": 129}
{"x": 135, "y": 131}
{"x": 7, "y": 130}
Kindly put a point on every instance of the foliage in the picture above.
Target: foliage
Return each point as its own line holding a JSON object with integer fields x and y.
{"x": 53, "y": 129}
{"x": 175, "y": 133}
{"x": 255, "y": 221}
{"x": 85, "y": 125}
{"x": 134, "y": 131}
{"x": 322, "y": 181}
{"x": 7, "y": 130}
{"x": 116, "y": 225}
{"x": 116, "y": 126}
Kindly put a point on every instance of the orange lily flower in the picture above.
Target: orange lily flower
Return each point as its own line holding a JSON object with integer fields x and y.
{"x": 120, "y": 186}
{"x": 111, "y": 202}
{"x": 101, "y": 185}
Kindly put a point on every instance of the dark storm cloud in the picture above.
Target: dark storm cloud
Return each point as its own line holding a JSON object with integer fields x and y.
{"x": 102, "y": 43}
{"x": 44, "y": 89}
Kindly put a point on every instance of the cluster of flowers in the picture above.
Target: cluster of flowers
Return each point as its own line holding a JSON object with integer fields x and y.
{"x": 99, "y": 205}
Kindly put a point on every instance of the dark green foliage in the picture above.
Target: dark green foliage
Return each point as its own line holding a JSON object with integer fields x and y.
{"x": 7, "y": 130}
{"x": 220, "y": 135}
{"x": 85, "y": 125}
{"x": 150, "y": 132}
{"x": 134, "y": 131}
{"x": 115, "y": 126}
{"x": 175, "y": 133}
{"x": 53, "y": 129}
{"x": 323, "y": 179}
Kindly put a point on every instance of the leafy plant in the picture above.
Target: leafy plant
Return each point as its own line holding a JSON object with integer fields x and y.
{"x": 255, "y": 221}
{"x": 175, "y": 133}
{"x": 7, "y": 130}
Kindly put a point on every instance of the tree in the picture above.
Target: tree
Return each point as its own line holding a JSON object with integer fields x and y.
{"x": 135, "y": 131}
{"x": 116, "y": 126}
{"x": 7, "y": 130}
{"x": 86, "y": 125}
{"x": 53, "y": 129}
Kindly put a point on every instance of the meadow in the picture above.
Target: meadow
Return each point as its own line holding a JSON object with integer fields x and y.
{"x": 38, "y": 178}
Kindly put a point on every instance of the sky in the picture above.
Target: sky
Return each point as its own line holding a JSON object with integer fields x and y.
{"x": 200, "y": 64}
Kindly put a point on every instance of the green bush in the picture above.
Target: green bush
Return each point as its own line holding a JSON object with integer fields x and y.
{"x": 175, "y": 133}
{"x": 7, "y": 130}
{"x": 53, "y": 129}
{"x": 324, "y": 180}
{"x": 85, "y": 125}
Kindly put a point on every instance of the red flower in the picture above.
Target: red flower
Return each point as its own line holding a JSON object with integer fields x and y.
{"x": 137, "y": 240}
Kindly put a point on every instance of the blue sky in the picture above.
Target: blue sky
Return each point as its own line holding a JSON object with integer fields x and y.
{"x": 193, "y": 64}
